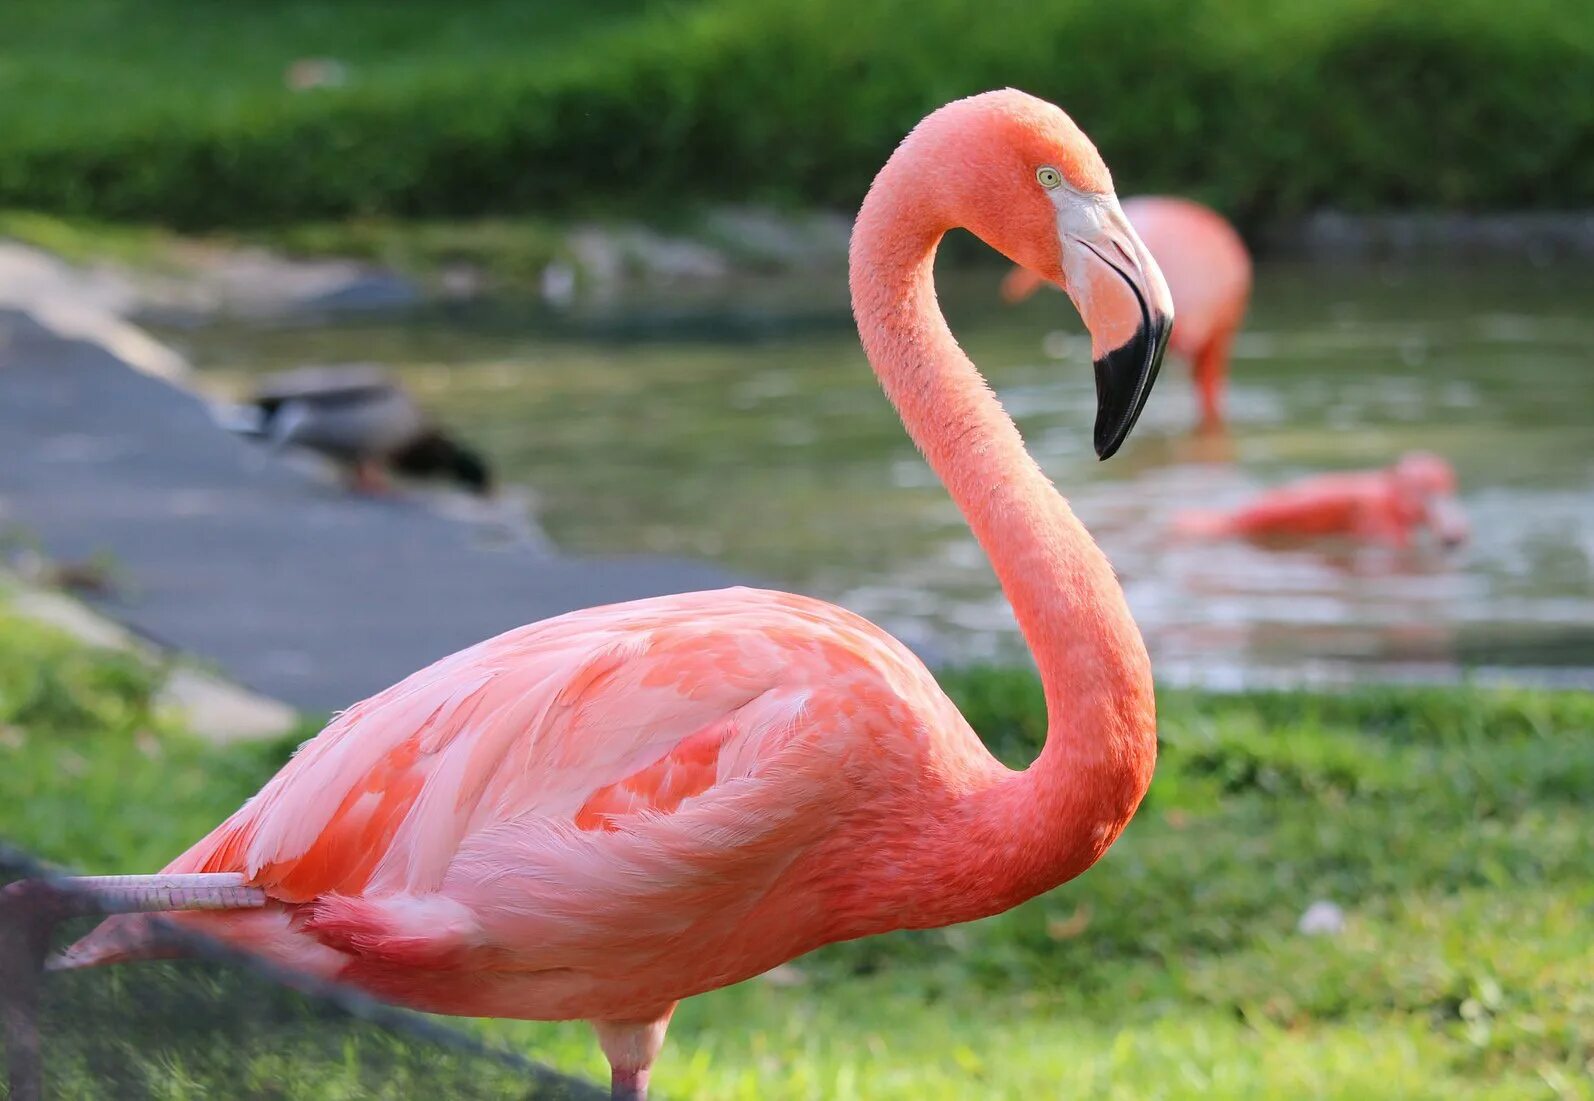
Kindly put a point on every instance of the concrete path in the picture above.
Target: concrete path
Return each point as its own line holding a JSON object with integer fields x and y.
{"x": 289, "y": 586}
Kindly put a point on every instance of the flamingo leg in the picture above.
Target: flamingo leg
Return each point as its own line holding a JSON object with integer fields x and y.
{"x": 628, "y": 1085}
{"x": 631, "y": 1047}
{"x": 153, "y": 894}
{"x": 1210, "y": 371}
{"x": 30, "y": 909}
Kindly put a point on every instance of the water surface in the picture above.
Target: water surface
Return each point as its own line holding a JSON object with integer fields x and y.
{"x": 745, "y": 427}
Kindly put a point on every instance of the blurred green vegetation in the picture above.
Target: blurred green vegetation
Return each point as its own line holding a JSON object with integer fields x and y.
{"x": 167, "y": 112}
{"x": 1451, "y": 825}
{"x": 91, "y": 773}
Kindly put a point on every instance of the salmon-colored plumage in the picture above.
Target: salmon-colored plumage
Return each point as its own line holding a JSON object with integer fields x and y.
{"x": 1391, "y": 505}
{"x": 600, "y": 814}
{"x": 1209, "y": 275}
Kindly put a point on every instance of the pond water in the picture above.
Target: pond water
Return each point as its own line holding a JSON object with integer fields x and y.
{"x": 744, "y": 427}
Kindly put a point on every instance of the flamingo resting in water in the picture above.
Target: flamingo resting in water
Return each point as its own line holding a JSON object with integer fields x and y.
{"x": 1390, "y": 505}
{"x": 1209, "y": 275}
{"x": 598, "y": 815}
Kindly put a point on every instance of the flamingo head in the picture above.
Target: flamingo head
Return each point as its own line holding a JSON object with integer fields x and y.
{"x": 1427, "y": 486}
{"x": 1019, "y": 174}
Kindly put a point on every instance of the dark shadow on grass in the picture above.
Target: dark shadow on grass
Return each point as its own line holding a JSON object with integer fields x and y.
{"x": 222, "y": 1024}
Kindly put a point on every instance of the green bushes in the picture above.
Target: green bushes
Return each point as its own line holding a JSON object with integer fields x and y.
{"x": 1265, "y": 109}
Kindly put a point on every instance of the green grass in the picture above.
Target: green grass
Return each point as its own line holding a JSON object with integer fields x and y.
{"x": 91, "y": 774}
{"x": 506, "y": 252}
{"x": 87, "y": 241}
{"x": 1452, "y": 826}
{"x": 174, "y": 112}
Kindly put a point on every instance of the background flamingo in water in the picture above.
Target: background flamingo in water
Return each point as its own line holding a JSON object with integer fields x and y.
{"x": 1391, "y": 505}
{"x": 600, "y": 814}
{"x": 1209, "y": 276}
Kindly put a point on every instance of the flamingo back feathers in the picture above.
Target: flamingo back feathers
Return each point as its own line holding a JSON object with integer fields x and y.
{"x": 537, "y": 815}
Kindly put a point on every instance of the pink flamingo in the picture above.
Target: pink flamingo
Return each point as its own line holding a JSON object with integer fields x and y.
{"x": 598, "y": 815}
{"x": 1389, "y": 505}
{"x": 1209, "y": 275}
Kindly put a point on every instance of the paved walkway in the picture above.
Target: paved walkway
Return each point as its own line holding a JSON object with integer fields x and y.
{"x": 291, "y": 587}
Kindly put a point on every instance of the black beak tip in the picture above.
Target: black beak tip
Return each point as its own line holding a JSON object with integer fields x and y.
{"x": 1106, "y": 447}
{"x": 1111, "y": 432}
{"x": 1124, "y": 377}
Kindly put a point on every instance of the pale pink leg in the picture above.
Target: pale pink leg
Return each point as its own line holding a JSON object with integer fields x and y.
{"x": 155, "y": 894}
{"x": 631, "y": 1047}
{"x": 1210, "y": 371}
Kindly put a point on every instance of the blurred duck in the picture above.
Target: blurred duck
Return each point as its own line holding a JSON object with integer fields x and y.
{"x": 1208, "y": 272}
{"x": 1379, "y": 506}
{"x": 360, "y": 419}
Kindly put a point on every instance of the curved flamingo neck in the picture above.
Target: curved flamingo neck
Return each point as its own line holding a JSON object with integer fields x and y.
{"x": 1053, "y": 820}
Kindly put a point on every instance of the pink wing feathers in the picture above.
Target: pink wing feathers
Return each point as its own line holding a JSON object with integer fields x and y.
{"x": 624, "y": 708}
{"x": 552, "y": 785}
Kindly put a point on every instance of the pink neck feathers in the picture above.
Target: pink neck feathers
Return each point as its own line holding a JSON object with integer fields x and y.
{"x": 1053, "y": 820}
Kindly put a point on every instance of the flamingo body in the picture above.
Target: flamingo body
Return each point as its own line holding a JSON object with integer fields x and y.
{"x": 610, "y": 811}
{"x": 1208, "y": 271}
{"x": 600, "y": 814}
{"x": 1389, "y": 505}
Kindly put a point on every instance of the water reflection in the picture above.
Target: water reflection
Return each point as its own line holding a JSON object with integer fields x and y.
{"x": 751, "y": 432}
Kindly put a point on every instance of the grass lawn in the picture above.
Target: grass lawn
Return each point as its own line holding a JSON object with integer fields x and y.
{"x": 1452, "y": 826}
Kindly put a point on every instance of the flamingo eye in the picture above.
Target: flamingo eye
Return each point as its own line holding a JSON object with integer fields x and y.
{"x": 1049, "y": 177}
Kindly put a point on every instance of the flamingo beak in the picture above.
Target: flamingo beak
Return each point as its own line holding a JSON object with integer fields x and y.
{"x": 1124, "y": 377}
{"x": 1120, "y": 293}
{"x": 1448, "y": 521}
